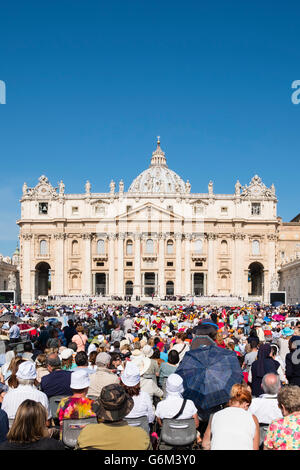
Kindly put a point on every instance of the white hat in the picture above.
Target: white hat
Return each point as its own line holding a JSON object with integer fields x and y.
{"x": 100, "y": 338}
{"x": 137, "y": 352}
{"x": 147, "y": 350}
{"x": 26, "y": 371}
{"x": 131, "y": 375}
{"x": 143, "y": 363}
{"x": 174, "y": 384}
{"x": 66, "y": 353}
{"x": 80, "y": 379}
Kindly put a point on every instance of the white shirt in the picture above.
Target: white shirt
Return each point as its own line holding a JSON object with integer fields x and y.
{"x": 232, "y": 429}
{"x": 171, "y": 405}
{"x": 13, "y": 399}
{"x": 179, "y": 347}
{"x": 142, "y": 407}
{"x": 14, "y": 332}
{"x": 265, "y": 408}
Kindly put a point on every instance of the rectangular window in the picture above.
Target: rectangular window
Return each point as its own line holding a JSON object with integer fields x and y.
{"x": 170, "y": 263}
{"x": 198, "y": 263}
{"x": 224, "y": 210}
{"x": 100, "y": 264}
{"x": 255, "y": 208}
{"x": 43, "y": 208}
{"x": 128, "y": 263}
{"x": 75, "y": 210}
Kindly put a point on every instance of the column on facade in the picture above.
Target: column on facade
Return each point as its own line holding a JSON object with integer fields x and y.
{"x": 137, "y": 265}
{"x": 178, "y": 288}
{"x": 211, "y": 272}
{"x": 120, "y": 283}
{"x": 34, "y": 277}
{"x": 273, "y": 276}
{"x": 111, "y": 263}
{"x": 161, "y": 266}
{"x": 187, "y": 263}
{"x": 87, "y": 275}
{"x": 26, "y": 275}
{"x": 238, "y": 265}
{"x": 57, "y": 288}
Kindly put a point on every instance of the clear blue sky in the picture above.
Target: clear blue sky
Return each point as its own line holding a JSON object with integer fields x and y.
{"x": 90, "y": 84}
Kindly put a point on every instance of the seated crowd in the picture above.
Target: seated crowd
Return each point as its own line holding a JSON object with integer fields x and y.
{"x": 110, "y": 381}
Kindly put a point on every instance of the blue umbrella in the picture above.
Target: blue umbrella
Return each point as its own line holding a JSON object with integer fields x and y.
{"x": 208, "y": 374}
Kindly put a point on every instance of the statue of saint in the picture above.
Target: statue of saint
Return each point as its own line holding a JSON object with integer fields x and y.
{"x": 88, "y": 187}
{"x": 12, "y": 283}
{"x": 112, "y": 186}
{"x": 210, "y": 188}
{"x": 188, "y": 187}
{"x": 25, "y": 187}
{"x": 61, "y": 187}
{"x": 238, "y": 188}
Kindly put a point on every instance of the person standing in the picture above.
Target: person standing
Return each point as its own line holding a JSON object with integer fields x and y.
{"x": 80, "y": 339}
{"x": 14, "y": 332}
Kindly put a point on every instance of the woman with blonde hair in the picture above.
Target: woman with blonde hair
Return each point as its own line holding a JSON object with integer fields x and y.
{"x": 29, "y": 430}
{"x": 234, "y": 427}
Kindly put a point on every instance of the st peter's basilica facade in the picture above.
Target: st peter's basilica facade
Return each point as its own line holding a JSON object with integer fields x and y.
{"x": 158, "y": 238}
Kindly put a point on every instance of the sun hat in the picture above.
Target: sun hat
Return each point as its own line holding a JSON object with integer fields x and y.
{"x": 137, "y": 352}
{"x": 287, "y": 331}
{"x": 79, "y": 379}
{"x": 26, "y": 371}
{"x": 147, "y": 351}
{"x": 100, "y": 338}
{"x": 113, "y": 404}
{"x": 103, "y": 358}
{"x": 131, "y": 375}
{"x": 174, "y": 384}
{"x": 143, "y": 363}
{"x": 66, "y": 353}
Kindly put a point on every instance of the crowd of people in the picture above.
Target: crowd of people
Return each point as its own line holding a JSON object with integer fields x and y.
{"x": 112, "y": 364}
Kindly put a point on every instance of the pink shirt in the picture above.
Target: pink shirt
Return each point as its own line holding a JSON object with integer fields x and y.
{"x": 80, "y": 340}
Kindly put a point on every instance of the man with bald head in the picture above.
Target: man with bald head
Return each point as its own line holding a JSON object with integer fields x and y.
{"x": 265, "y": 407}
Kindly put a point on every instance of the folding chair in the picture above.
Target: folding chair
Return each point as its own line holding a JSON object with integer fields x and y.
{"x": 178, "y": 433}
{"x": 71, "y": 428}
{"x": 54, "y": 402}
{"x": 141, "y": 421}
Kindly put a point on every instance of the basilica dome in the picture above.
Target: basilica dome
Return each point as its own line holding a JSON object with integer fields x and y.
{"x": 158, "y": 178}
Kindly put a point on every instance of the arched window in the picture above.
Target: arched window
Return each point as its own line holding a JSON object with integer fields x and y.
{"x": 100, "y": 247}
{"x": 224, "y": 246}
{"x": 43, "y": 247}
{"x": 170, "y": 247}
{"x": 149, "y": 246}
{"x": 75, "y": 247}
{"x": 129, "y": 288}
{"x": 129, "y": 247}
{"x": 255, "y": 247}
{"x": 198, "y": 246}
{"x": 170, "y": 288}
